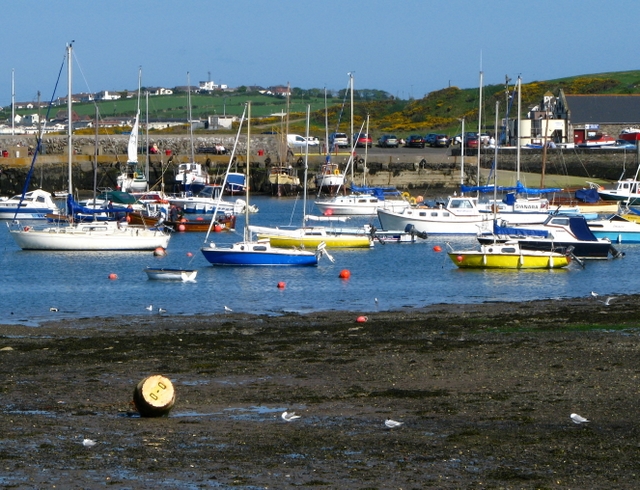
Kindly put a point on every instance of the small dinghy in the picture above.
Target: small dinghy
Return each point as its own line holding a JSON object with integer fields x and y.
{"x": 184, "y": 275}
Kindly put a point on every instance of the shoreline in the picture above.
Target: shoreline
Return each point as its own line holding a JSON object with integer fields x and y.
{"x": 484, "y": 392}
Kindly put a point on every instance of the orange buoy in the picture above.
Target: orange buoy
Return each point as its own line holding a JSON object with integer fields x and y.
{"x": 183, "y": 220}
{"x": 199, "y": 218}
{"x": 345, "y": 274}
{"x": 189, "y": 254}
{"x": 437, "y": 248}
{"x": 459, "y": 258}
{"x": 361, "y": 319}
{"x": 281, "y": 285}
{"x": 181, "y": 227}
{"x": 113, "y": 276}
{"x": 128, "y": 219}
{"x": 328, "y": 212}
{"x": 159, "y": 252}
{"x": 217, "y": 228}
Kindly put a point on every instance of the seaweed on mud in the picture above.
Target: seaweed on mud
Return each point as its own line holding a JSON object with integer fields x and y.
{"x": 417, "y": 394}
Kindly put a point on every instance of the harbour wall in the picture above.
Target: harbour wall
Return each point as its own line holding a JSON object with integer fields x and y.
{"x": 407, "y": 169}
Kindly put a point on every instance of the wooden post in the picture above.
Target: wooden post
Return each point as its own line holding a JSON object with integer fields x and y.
{"x": 154, "y": 396}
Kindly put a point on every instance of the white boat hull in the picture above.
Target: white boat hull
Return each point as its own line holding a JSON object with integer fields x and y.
{"x": 184, "y": 275}
{"x": 435, "y": 221}
{"x": 359, "y": 205}
{"x": 89, "y": 236}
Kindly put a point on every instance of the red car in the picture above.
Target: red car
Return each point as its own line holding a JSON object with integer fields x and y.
{"x": 363, "y": 140}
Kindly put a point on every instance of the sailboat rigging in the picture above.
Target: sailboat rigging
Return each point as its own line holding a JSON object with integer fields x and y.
{"x": 74, "y": 236}
{"x": 251, "y": 252}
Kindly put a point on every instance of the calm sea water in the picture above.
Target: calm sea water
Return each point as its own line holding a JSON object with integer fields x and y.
{"x": 398, "y": 275}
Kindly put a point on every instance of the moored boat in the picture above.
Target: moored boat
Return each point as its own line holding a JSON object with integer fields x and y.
{"x": 184, "y": 275}
{"x": 508, "y": 255}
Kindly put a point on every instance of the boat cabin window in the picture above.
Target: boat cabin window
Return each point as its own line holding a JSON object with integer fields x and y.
{"x": 461, "y": 203}
{"x": 260, "y": 248}
{"x": 508, "y": 250}
{"x": 40, "y": 199}
{"x": 560, "y": 221}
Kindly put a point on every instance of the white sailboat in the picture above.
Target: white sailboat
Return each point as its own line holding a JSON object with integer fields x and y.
{"x": 96, "y": 236}
{"x": 133, "y": 177}
{"x": 361, "y": 201}
{"x": 191, "y": 177}
{"x": 312, "y": 236}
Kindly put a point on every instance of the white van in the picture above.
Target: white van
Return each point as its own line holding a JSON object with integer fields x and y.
{"x": 296, "y": 141}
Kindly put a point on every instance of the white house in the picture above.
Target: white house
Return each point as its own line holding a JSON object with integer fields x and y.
{"x": 106, "y": 95}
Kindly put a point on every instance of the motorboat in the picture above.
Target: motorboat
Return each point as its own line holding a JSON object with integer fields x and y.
{"x": 184, "y": 275}
{"x": 616, "y": 228}
{"x": 329, "y": 178}
{"x": 507, "y": 255}
{"x": 558, "y": 233}
{"x": 458, "y": 215}
{"x": 209, "y": 200}
{"x": 626, "y": 191}
{"x": 191, "y": 178}
{"x": 34, "y": 205}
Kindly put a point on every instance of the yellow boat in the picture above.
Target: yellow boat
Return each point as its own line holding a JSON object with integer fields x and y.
{"x": 311, "y": 237}
{"x": 507, "y": 255}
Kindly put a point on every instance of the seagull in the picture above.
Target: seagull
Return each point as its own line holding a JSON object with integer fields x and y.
{"x": 392, "y": 424}
{"x": 607, "y": 302}
{"x": 289, "y": 416}
{"x": 594, "y": 294}
{"x": 375, "y": 300}
{"x": 89, "y": 443}
{"x": 53, "y": 308}
{"x": 150, "y": 307}
{"x": 161, "y": 310}
{"x": 227, "y": 309}
{"x": 577, "y": 419}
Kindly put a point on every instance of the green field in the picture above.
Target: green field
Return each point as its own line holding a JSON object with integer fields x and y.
{"x": 439, "y": 111}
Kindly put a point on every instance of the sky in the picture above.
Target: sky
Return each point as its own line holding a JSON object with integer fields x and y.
{"x": 407, "y": 48}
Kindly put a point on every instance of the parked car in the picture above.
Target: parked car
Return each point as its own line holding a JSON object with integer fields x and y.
{"x": 341, "y": 140}
{"x": 313, "y": 141}
{"x": 471, "y": 139}
{"x": 388, "y": 141}
{"x": 296, "y": 141}
{"x": 363, "y": 140}
{"x": 442, "y": 140}
{"x": 435, "y": 139}
{"x": 430, "y": 139}
{"x": 414, "y": 141}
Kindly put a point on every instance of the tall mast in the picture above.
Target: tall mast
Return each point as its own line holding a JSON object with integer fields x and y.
{"x": 351, "y": 90}
{"x": 479, "y": 131}
{"x": 69, "y": 119}
{"x": 193, "y": 157}
{"x": 462, "y": 156}
{"x": 146, "y": 144}
{"x": 519, "y": 134}
{"x": 246, "y": 207}
{"x": 13, "y": 102}
{"x": 306, "y": 166}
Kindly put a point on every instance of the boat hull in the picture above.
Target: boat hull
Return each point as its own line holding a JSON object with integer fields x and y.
{"x": 581, "y": 249}
{"x": 480, "y": 260}
{"x": 89, "y": 237}
{"x": 331, "y": 241}
{"x": 260, "y": 256}
{"x": 184, "y": 275}
{"x": 435, "y": 221}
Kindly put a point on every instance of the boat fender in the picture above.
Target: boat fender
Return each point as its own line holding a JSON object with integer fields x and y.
{"x": 26, "y": 228}
{"x": 336, "y": 172}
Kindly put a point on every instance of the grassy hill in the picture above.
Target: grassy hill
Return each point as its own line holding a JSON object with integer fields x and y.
{"x": 439, "y": 111}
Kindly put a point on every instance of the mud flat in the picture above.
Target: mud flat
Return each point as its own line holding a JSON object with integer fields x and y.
{"x": 484, "y": 392}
